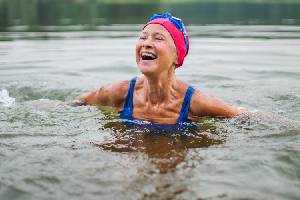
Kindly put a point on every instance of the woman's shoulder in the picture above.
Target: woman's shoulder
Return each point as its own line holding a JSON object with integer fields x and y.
{"x": 112, "y": 94}
{"x": 116, "y": 92}
{"x": 182, "y": 86}
{"x": 118, "y": 87}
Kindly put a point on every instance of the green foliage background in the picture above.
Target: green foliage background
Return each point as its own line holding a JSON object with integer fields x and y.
{"x": 54, "y": 15}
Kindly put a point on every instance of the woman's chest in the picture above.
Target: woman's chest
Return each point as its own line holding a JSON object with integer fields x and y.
{"x": 167, "y": 113}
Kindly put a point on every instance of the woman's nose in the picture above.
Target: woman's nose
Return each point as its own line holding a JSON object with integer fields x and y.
{"x": 147, "y": 43}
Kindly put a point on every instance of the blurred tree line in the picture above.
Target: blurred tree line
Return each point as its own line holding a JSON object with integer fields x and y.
{"x": 39, "y": 15}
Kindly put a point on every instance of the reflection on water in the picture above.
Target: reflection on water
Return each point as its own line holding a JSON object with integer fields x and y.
{"x": 165, "y": 149}
{"x": 132, "y": 31}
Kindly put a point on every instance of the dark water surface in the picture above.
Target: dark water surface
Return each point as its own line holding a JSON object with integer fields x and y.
{"x": 51, "y": 150}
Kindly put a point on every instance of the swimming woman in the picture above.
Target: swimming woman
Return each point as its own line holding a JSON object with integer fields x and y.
{"x": 158, "y": 96}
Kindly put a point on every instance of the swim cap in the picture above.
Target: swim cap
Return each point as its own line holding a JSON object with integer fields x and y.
{"x": 177, "y": 31}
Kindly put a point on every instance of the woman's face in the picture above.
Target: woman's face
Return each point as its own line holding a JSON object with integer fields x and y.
{"x": 155, "y": 50}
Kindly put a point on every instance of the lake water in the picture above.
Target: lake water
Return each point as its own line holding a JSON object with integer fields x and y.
{"x": 51, "y": 150}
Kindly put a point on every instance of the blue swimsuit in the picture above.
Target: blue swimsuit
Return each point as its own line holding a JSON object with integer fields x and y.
{"x": 182, "y": 122}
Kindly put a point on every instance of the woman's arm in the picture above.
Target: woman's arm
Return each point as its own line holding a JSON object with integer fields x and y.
{"x": 205, "y": 105}
{"x": 109, "y": 95}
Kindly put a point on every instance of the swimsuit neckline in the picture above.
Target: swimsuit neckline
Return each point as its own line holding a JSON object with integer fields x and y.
{"x": 126, "y": 112}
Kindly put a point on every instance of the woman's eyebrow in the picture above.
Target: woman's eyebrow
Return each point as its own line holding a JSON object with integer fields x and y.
{"x": 154, "y": 33}
{"x": 158, "y": 33}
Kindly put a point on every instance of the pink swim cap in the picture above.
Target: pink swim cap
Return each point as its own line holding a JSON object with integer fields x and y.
{"x": 177, "y": 31}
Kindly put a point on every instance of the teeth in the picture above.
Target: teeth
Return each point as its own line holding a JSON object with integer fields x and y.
{"x": 148, "y": 56}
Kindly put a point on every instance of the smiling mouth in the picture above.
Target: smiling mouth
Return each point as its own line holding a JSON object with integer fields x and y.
{"x": 148, "y": 56}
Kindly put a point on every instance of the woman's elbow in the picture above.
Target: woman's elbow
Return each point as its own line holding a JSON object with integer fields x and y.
{"x": 84, "y": 99}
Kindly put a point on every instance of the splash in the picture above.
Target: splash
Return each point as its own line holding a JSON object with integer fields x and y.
{"x": 5, "y": 99}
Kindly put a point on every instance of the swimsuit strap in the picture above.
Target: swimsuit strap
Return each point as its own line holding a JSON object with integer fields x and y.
{"x": 184, "y": 112}
{"x": 126, "y": 113}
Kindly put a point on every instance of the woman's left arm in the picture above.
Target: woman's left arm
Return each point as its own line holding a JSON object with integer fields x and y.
{"x": 203, "y": 105}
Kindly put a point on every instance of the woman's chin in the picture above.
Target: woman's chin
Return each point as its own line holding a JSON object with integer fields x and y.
{"x": 147, "y": 69}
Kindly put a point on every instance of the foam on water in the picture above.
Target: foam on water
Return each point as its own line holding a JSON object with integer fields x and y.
{"x": 5, "y": 99}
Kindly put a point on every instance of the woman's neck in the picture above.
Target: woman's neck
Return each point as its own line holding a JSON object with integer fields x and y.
{"x": 158, "y": 89}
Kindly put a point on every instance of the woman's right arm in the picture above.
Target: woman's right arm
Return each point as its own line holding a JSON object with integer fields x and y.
{"x": 109, "y": 95}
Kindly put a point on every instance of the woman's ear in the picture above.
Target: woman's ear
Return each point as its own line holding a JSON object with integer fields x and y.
{"x": 176, "y": 60}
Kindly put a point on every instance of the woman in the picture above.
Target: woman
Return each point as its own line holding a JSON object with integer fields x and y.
{"x": 158, "y": 96}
